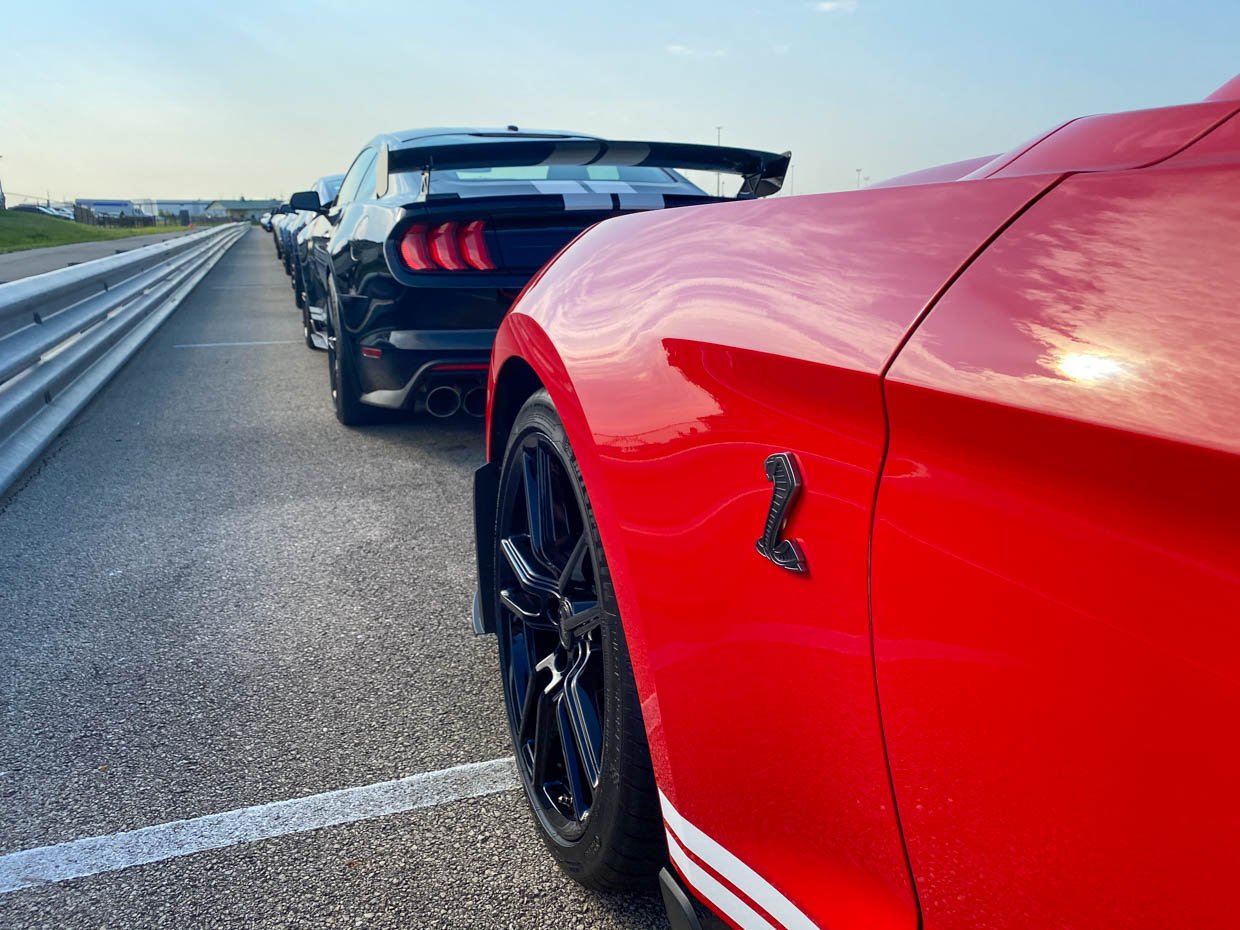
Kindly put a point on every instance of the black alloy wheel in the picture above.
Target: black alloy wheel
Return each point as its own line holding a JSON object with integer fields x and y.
{"x": 568, "y": 683}
{"x": 298, "y": 284}
{"x": 346, "y": 395}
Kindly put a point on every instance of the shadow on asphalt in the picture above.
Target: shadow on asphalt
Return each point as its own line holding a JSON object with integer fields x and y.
{"x": 468, "y": 432}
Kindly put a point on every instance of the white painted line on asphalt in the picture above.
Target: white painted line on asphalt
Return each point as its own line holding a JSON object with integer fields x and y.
{"x": 96, "y": 854}
{"x": 212, "y": 345}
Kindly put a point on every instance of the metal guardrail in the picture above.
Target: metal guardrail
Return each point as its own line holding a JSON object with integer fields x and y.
{"x": 64, "y": 334}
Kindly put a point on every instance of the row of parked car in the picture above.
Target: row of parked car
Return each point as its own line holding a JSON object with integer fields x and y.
{"x": 856, "y": 560}
{"x": 404, "y": 266}
{"x": 60, "y": 213}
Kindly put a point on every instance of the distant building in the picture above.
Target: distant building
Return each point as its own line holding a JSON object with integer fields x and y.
{"x": 172, "y": 207}
{"x": 241, "y": 209}
{"x": 108, "y": 207}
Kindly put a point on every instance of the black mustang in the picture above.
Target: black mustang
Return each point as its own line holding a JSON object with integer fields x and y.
{"x": 435, "y": 232}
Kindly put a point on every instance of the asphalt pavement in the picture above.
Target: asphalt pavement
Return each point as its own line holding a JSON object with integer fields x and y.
{"x": 23, "y": 264}
{"x": 213, "y": 596}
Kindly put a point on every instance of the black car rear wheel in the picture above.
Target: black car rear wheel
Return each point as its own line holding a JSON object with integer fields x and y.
{"x": 568, "y": 683}
{"x": 298, "y": 284}
{"x": 346, "y": 394}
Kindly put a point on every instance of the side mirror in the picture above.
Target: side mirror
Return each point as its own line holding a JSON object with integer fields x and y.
{"x": 306, "y": 200}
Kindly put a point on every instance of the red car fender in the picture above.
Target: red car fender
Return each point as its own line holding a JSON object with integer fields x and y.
{"x": 674, "y": 386}
{"x": 1056, "y": 564}
{"x": 684, "y": 347}
{"x": 521, "y": 337}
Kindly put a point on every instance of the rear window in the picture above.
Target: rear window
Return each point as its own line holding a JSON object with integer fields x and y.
{"x": 634, "y": 175}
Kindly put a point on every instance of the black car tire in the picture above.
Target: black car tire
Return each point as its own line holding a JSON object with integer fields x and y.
{"x": 345, "y": 392}
{"x": 298, "y": 283}
{"x": 618, "y": 842}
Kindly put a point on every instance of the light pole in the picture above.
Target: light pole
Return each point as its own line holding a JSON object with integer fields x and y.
{"x": 718, "y": 174}
{"x": 858, "y": 179}
{"x": 2, "y": 204}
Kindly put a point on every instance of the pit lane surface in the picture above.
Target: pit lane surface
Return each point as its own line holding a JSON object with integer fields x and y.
{"x": 214, "y": 596}
{"x": 27, "y": 262}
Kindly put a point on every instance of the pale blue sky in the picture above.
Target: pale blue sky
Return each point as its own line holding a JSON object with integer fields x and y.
{"x": 130, "y": 98}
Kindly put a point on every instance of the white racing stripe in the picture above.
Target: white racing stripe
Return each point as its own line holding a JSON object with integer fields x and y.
{"x": 90, "y": 856}
{"x": 610, "y": 187}
{"x": 742, "y": 876}
{"x": 641, "y": 201}
{"x": 632, "y": 153}
{"x": 558, "y": 187}
{"x": 717, "y": 893}
{"x": 576, "y": 152}
{"x": 587, "y": 201}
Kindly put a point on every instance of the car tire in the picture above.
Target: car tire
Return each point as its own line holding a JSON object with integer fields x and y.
{"x": 345, "y": 392}
{"x": 298, "y": 284}
{"x": 557, "y": 684}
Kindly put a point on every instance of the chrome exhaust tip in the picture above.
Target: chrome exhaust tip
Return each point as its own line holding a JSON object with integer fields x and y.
{"x": 475, "y": 402}
{"x": 443, "y": 401}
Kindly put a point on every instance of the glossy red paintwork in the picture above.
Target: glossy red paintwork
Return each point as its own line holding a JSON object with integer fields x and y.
{"x": 1056, "y": 575}
{"x": 1117, "y": 141}
{"x": 683, "y": 348}
{"x": 1218, "y": 148}
{"x": 953, "y": 171}
{"x": 1055, "y": 555}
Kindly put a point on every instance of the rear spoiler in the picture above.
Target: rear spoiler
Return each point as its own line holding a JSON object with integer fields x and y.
{"x": 763, "y": 172}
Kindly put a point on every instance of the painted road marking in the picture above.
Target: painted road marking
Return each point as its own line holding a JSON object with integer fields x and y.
{"x": 212, "y": 345}
{"x": 96, "y": 854}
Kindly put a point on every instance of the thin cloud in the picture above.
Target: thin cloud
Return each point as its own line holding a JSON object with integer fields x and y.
{"x": 686, "y": 51}
{"x": 835, "y": 6}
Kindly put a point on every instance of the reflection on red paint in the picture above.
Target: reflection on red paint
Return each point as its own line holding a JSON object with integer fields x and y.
{"x": 700, "y": 341}
{"x": 1058, "y": 515}
{"x": 1113, "y": 302}
{"x": 1054, "y": 573}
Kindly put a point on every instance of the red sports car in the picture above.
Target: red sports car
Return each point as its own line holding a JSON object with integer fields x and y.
{"x": 875, "y": 556}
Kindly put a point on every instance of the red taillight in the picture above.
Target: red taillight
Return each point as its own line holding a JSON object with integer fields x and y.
{"x": 474, "y": 246}
{"x": 415, "y": 251}
{"x": 448, "y": 246}
{"x": 444, "y": 248}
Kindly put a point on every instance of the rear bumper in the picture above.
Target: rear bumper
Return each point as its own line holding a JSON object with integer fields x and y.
{"x": 398, "y": 368}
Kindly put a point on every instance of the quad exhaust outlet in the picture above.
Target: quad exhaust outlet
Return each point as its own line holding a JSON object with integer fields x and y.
{"x": 475, "y": 401}
{"x": 443, "y": 401}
